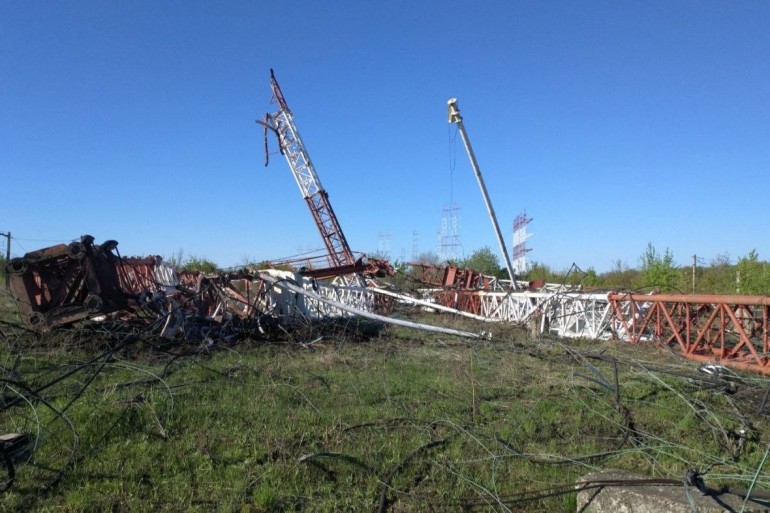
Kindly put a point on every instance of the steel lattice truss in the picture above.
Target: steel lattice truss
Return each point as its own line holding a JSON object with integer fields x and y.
{"x": 732, "y": 330}
{"x": 724, "y": 328}
{"x": 282, "y": 123}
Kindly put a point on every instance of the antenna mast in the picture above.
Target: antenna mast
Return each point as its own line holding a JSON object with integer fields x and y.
{"x": 454, "y": 117}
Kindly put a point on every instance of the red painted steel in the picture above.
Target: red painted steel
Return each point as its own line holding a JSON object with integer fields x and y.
{"x": 731, "y": 330}
{"x": 451, "y": 277}
{"x": 65, "y": 283}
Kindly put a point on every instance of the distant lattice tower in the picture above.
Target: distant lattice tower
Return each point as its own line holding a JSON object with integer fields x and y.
{"x": 415, "y": 245}
{"x": 383, "y": 244}
{"x": 449, "y": 239}
{"x": 520, "y": 237}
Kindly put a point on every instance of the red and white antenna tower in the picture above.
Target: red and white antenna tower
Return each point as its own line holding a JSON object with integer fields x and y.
{"x": 520, "y": 237}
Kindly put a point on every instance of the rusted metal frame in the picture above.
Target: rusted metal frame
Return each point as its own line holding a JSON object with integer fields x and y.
{"x": 629, "y": 330}
{"x": 702, "y": 334}
{"x": 138, "y": 274}
{"x": 474, "y": 302}
{"x": 334, "y": 238}
{"x": 745, "y": 341}
{"x": 100, "y": 275}
{"x": 261, "y": 296}
{"x": 90, "y": 271}
{"x": 721, "y": 333}
{"x": 713, "y": 299}
{"x": 647, "y": 319}
{"x": 68, "y": 289}
{"x": 35, "y": 282}
{"x": 663, "y": 309}
{"x": 277, "y": 93}
{"x": 330, "y": 272}
{"x": 219, "y": 296}
{"x": 249, "y": 306}
{"x": 765, "y": 329}
{"x": 448, "y": 277}
{"x": 675, "y": 330}
{"x": 252, "y": 305}
{"x": 229, "y": 295}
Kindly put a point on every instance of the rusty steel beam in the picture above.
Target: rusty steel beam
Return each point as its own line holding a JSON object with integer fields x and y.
{"x": 142, "y": 274}
{"x": 453, "y": 277}
{"x": 363, "y": 266}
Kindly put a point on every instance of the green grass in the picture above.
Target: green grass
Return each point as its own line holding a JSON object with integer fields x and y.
{"x": 8, "y": 310}
{"x": 401, "y": 422}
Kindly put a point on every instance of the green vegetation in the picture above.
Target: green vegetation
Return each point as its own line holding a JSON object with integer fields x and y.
{"x": 484, "y": 261}
{"x": 192, "y": 263}
{"x": 400, "y": 422}
{"x": 203, "y": 265}
{"x": 752, "y": 276}
{"x": 658, "y": 271}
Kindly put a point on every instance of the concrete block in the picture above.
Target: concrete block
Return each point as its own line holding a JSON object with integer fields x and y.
{"x": 655, "y": 498}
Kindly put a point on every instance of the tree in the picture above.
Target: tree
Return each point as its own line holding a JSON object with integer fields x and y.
{"x": 717, "y": 278}
{"x": 590, "y": 279}
{"x": 540, "y": 271}
{"x": 753, "y": 276}
{"x": 485, "y": 262}
{"x": 658, "y": 271}
{"x": 620, "y": 276}
{"x": 203, "y": 265}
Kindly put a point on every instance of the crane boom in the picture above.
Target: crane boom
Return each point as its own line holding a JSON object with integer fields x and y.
{"x": 455, "y": 117}
{"x": 292, "y": 147}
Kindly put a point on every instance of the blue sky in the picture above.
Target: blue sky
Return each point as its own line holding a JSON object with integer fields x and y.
{"x": 613, "y": 124}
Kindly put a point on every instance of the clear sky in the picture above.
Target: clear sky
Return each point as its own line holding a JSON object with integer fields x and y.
{"x": 612, "y": 123}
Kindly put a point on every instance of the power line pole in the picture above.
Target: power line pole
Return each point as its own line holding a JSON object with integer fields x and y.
{"x": 694, "y": 260}
{"x": 7, "y": 257}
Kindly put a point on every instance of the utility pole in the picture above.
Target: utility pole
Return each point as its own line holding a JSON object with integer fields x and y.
{"x": 694, "y": 260}
{"x": 454, "y": 117}
{"x": 7, "y": 257}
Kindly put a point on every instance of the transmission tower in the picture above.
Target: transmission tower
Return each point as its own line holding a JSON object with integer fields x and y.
{"x": 520, "y": 237}
{"x": 415, "y": 245}
{"x": 383, "y": 244}
{"x": 449, "y": 239}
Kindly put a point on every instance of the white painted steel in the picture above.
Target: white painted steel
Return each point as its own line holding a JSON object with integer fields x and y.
{"x": 296, "y": 154}
{"x": 313, "y": 295}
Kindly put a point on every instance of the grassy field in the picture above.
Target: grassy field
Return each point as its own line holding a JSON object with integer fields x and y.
{"x": 332, "y": 420}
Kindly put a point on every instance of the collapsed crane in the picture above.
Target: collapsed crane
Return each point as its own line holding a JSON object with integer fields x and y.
{"x": 339, "y": 255}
